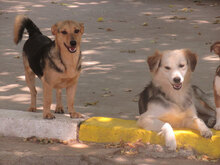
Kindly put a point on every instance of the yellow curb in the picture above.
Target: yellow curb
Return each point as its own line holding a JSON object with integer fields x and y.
{"x": 113, "y": 130}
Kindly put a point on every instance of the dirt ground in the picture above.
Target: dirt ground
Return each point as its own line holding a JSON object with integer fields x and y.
{"x": 114, "y": 59}
{"x": 17, "y": 151}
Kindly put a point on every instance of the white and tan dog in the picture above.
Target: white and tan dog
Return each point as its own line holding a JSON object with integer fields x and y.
{"x": 169, "y": 100}
{"x": 216, "y": 85}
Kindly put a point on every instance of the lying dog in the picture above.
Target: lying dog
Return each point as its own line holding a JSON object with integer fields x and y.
{"x": 57, "y": 63}
{"x": 169, "y": 100}
{"x": 216, "y": 85}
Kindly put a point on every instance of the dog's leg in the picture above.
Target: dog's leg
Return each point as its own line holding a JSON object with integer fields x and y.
{"x": 47, "y": 93}
{"x": 70, "y": 92}
{"x": 165, "y": 129}
{"x": 198, "y": 124}
{"x": 30, "y": 81}
{"x": 217, "y": 101}
{"x": 217, "y": 125}
{"x": 59, "y": 106}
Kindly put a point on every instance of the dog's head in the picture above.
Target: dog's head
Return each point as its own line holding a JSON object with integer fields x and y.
{"x": 172, "y": 67}
{"x": 216, "y": 48}
{"x": 68, "y": 35}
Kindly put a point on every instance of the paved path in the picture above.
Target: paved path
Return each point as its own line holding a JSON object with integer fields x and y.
{"x": 114, "y": 61}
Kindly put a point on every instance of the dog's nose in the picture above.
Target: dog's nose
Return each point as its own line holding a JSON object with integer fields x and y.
{"x": 176, "y": 79}
{"x": 72, "y": 42}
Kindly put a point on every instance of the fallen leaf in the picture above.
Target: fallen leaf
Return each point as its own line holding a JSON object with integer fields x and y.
{"x": 153, "y": 41}
{"x": 199, "y": 34}
{"x": 109, "y": 30}
{"x": 171, "y": 6}
{"x": 107, "y": 94}
{"x": 17, "y": 57}
{"x": 145, "y": 24}
{"x": 105, "y": 89}
{"x": 100, "y": 19}
{"x": 127, "y": 90}
{"x": 196, "y": 26}
{"x": 186, "y": 10}
{"x": 216, "y": 21}
{"x": 127, "y": 51}
{"x": 64, "y": 4}
{"x": 178, "y": 18}
{"x": 91, "y": 103}
{"x": 135, "y": 99}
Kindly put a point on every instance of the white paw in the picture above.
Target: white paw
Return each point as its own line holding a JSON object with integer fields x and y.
{"x": 207, "y": 133}
{"x": 217, "y": 126}
{"x": 170, "y": 140}
{"x": 171, "y": 144}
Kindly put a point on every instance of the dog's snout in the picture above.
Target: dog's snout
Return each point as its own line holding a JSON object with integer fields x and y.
{"x": 72, "y": 42}
{"x": 177, "y": 79}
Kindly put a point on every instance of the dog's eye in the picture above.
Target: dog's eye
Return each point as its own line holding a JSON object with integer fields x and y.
{"x": 64, "y": 32}
{"x": 167, "y": 68}
{"x": 181, "y": 65}
{"x": 76, "y": 31}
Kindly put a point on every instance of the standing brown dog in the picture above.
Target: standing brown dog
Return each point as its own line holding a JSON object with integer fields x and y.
{"x": 57, "y": 63}
{"x": 216, "y": 85}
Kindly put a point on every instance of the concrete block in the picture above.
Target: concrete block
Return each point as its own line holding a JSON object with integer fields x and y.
{"x": 26, "y": 124}
{"x": 108, "y": 130}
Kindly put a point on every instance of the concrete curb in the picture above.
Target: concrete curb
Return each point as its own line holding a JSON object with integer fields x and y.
{"x": 105, "y": 130}
{"x": 99, "y": 130}
{"x": 27, "y": 124}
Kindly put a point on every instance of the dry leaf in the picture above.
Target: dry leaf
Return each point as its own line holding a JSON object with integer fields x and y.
{"x": 91, "y": 103}
{"x": 135, "y": 99}
{"x": 100, "y": 19}
{"x": 109, "y": 30}
{"x": 127, "y": 90}
{"x": 216, "y": 21}
{"x": 186, "y": 10}
{"x": 145, "y": 24}
{"x": 128, "y": 51}
{"x": 17, "y": 57}
{"x": 178, "y": 18}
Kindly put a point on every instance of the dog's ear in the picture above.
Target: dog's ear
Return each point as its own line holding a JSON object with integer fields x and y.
{"x": 191, "y": 59}
{"x": 216, "y": 48}
{"x": 154, "y": 61}
{"x": 54, "y": 29}
{"x": 81, "y": 27}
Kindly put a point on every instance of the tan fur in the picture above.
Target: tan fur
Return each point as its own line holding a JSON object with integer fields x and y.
{"x": 17, "y": 24}
{"x": 216, "y": 85}
{"x": 154, "y": 60}
{"x": 216, "y": 48}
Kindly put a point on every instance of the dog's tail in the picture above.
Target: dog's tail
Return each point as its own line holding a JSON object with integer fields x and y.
{"x": 22, "y": 22}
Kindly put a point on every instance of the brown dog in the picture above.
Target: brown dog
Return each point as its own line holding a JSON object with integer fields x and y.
{"x": 57, "y": 63}
{"x": 216, "y": 85}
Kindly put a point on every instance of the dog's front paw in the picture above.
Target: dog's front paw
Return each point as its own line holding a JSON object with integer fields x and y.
{"x": 171, "y": 145}
{"x": 32, "y": 109}
{"x": 217, "y": 126}
{"x": 170, "y": 140}
{"x": 206, "y": 133}
{"x": 48, "y": 115}
{"x": 59, "y": 110}
{"x": 76, "y": 115}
